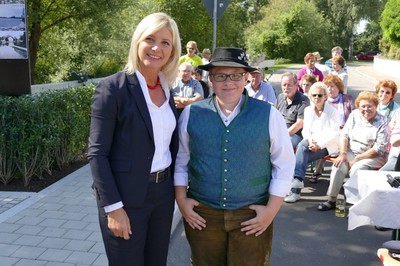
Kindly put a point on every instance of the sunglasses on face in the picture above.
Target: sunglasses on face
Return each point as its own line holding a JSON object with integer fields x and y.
{"x": 317, "y": 95}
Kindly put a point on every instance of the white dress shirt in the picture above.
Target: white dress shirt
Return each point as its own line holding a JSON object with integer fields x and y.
{"x": 163, "y": 120}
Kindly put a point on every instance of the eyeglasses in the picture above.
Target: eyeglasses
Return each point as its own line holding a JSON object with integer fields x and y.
{"x": 318, "y": 95}
{"x": 366, "y": 107}
{"x": 190, "y": 48}
{"x": 223, "y": 77}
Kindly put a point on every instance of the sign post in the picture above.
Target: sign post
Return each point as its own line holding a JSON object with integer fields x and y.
{"x": 215, "y": 9}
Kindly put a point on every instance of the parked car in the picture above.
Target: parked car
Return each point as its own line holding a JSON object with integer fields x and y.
{"x": 366, "y": 56}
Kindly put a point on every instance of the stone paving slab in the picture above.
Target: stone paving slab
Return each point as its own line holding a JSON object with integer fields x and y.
{"x": 56, "y": 226}
{"x": 9, "y": 200}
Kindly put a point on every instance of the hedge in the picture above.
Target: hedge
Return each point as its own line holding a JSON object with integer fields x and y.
{"x": 42, "y": 132}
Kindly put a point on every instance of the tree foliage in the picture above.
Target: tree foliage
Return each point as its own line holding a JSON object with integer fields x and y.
{"x": 369, "y": 39}
{"x": 390, "y": 22}
{"x": 94, "y": 36}
{"x": 288, "y": 29}
{"x": 51, "y": 15}
{"x": 195, "y": 24}
{"x": 344, "y": 16}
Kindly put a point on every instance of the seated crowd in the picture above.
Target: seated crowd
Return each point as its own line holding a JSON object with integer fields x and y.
{"x": 356, "y": 134}
{"x": 323, "y": 121}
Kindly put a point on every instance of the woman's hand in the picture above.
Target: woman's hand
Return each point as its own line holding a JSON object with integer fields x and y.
{"x": 119, "y": 224}
{"x": 313, "y": 146}
{"x": 342, "y": 158}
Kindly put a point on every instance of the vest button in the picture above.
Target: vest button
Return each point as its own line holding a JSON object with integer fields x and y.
{"x": 225, "y": 149}
{"x": 225, "y": 170}
{"x": 225, "y": 160}
{"x": 227, "y": 131}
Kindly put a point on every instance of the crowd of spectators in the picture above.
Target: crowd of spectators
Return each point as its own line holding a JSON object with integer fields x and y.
{"x": 323, "y": 121}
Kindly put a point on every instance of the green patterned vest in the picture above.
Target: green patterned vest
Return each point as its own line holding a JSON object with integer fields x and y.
{"x": 229, "y": 166}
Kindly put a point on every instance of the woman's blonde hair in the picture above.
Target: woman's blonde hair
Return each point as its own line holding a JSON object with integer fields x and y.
{"x": 193, "y": 44}
{"x": 149, "y": 25}
{"x": 368, "y": 96}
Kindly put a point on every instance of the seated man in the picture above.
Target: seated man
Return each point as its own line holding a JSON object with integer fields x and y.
{"x": 197, "y": 74}
{"x": 291, "y": 103}
{"x": 259, "y": 89}
{"x": 186, "y": 89}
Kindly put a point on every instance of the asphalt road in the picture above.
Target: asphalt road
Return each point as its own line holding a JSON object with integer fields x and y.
{"x": 304, "y": 236}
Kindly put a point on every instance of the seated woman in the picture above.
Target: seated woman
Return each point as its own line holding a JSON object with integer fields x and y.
{"x": 394, "y": 126}
{"x": 306, "y": 82}
{"x": 363, "y": 145}
{"x": 338, "y": 64}
{"x": 310, "y": 69}
{"x": 320, "y": 136}
{"x": 386, "y": 91}
{"x": 344, "y": 103}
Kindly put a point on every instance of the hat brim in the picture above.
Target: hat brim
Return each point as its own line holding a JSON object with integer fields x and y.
{"x": 226, "y": 64}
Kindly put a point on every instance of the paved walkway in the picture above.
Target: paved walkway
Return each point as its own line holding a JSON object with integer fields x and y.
{"x": 59, "y": 226}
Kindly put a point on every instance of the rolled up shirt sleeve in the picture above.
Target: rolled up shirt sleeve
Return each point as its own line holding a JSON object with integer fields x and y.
{"x": 282, "y": 156}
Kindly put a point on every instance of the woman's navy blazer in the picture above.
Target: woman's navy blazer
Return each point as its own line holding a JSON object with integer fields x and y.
{"x": 121, "y": 141}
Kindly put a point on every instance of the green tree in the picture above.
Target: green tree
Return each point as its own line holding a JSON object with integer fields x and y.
{"x": 369, "y": 39}
{"x": 289, "y": 29}
{"x": 344, "y": 16}
{"x": 390, "y": 22}
{"x": 195, "y": 23}
{"x": 192, "y": 19}
{"x": 45, "y": 15}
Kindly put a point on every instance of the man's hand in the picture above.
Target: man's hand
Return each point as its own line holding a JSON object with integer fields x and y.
{"x": 181, "y": 103}
{"x": 194, "y": 220}
{"x": 119, "y": 224}
{"x": 260, "y": 223}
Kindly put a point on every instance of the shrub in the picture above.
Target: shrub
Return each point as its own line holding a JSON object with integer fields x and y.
{"x": 42, "y": 132}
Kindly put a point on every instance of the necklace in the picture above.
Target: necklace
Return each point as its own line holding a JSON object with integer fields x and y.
{"x": 154, "y": 86}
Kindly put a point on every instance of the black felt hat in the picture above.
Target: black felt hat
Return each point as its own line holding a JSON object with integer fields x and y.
{"x": 228, "y": 57}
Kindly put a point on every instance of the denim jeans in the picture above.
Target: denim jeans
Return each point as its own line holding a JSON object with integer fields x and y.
{"x": 222, "y": 243}
{"x": 304, "y": 156}
{"x": 295, "y": 139}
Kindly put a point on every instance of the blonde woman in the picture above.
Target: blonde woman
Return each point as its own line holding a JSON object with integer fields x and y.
{"x": 320, "y": 136}
{"x": 133, "y": 145}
